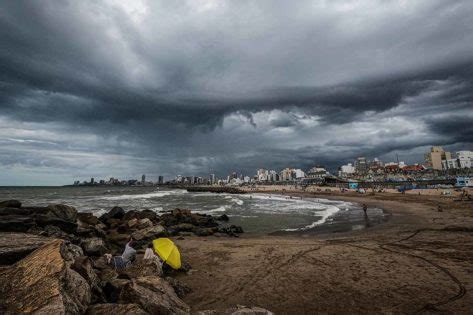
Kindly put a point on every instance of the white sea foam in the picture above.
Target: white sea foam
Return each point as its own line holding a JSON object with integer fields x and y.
{"x": 219, "y": 209}
{"x": 237, "y": 201}
{"x": 330, "y": 211}
{"x": 157, "y": 194}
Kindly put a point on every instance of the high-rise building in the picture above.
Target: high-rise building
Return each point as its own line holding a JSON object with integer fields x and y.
{"x": 273, "y": 176}
{"x": 465, "y": 159}
{"x": 317, "y": 172}
{"x": 262, "y": 174}
{"x": 434, "y": 158}
{"x": 287, "y": 174}
{"x": 160, "y": 180}
{"x": 361, "y": 165}
{"x": 92, "y": 181}
{"x": 346, "y": 170}
{"x": 212, "y": 179}
{"x": 298, "y": 173}
{"x": 143, "y": 178}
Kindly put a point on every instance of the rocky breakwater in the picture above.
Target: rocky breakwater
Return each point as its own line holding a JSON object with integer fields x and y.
{"x": 51, "y": 259}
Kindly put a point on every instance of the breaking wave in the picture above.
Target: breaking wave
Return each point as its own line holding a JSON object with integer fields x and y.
{"x": 157, "y": 194}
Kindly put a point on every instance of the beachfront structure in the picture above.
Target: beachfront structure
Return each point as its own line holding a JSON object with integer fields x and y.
{"x": 160, "y": 180}
{"x": 435, "y": 157}
{"x": 464, "y": 182}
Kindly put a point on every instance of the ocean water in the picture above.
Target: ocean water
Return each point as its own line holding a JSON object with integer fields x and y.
{"x": 257, "y": 213}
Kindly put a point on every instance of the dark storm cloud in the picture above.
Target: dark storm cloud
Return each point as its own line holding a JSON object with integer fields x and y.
{"x": 199, "y": 85}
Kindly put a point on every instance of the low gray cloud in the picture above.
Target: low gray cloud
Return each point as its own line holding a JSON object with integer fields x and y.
{"x": 113, "y": 88}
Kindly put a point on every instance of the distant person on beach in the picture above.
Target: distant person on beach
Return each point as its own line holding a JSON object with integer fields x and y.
{"x": 125, "y": 260}
{"x": 365, "y": 207}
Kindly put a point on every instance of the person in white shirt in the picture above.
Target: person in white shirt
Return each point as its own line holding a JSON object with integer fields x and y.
{"x": 151, "y": 258}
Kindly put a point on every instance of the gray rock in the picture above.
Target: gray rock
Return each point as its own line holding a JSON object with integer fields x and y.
{"x": 113, "y": 288}
{"x": 14, "y": 211}
{"x": 115, "y": 309}
{"x": 93, "y": 246}
{"x": 88, "y": 218}
{"x": 15, "y": 246}
{"x": 63, "y": 212}
{"x": 154, "y": 295}
{"x": 16, "y": 223}
{"x": 238, "y": 310}
{"x": 180, "y": 288}
{"x": 149, "y": 233}
{"x": 44, "y": 283}
{"x": 47, "y": 219}
{"x": 114, "y": 213}
{"x": 10, "y": 203}
{"x": 144, "y": 223}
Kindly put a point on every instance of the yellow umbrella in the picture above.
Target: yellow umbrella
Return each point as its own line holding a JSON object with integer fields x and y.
{"x": 168, "y": 252}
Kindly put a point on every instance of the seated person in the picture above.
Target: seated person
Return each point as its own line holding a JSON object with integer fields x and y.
{"x": 125, "y": 260}
{"x": 151, "y": 258}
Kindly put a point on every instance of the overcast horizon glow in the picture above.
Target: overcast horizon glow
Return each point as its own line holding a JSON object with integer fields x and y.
{"x": 123, "y": 88}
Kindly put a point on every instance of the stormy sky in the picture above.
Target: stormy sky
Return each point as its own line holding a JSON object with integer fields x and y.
{"x": 121, "y": 88}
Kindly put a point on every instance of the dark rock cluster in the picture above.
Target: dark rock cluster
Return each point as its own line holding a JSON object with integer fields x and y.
{"x": 51, "y": 259}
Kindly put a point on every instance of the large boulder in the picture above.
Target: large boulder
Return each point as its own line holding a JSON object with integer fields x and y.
{"x": 117, "y": 238}
{"x": 180, "y": 288}
{"x": 66, "y": 225}
{"x": 114, "y": 213}
{"x": 16, "y": 223}
{"x": 44, "y": 283}
{"x": 237, "y": 310}
{"x": 88, "y": 218}
{"x": 154, "y": 295}
{"x": 15, "y": 246}
{"x": 113, "y": 288}
{"x": 83, "y": 266}
{"x": 63, "y": 212}
{"x": 183, "y": 227}
{"x": 10, "y": 203}
{"x": 14, "y": 211}
{"x": 115, "y": 309}
{"x": 93, "y": 246}
{"x": 144, "y": 223}
{"x": 149, "y": 233}
{"x": 147, "y": 214}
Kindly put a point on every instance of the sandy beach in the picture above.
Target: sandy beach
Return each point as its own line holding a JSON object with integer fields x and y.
{"x": 420, "y": 260}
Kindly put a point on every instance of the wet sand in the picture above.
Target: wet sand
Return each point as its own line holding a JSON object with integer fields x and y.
{"x": 420, "y": 260}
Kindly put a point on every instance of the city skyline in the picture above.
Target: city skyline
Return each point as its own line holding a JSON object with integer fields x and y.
{"x": 437, "y": 160}
{"x": 124, "y": 88}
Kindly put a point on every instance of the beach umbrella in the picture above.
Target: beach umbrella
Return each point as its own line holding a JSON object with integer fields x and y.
{"x": 168, "y": 252}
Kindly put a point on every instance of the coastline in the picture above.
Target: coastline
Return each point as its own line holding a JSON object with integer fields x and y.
{"x": 418, "y": 260}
